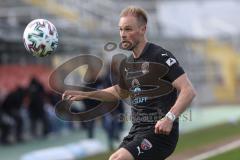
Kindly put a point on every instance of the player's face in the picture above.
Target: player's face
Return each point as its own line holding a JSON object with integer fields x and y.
{"x": 131, "y": 32}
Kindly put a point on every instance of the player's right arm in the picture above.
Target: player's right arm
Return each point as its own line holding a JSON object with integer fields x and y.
{"x": 109, "y": 94}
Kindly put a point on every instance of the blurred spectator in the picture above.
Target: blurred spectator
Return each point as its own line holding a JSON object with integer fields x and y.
{"x": 36, "y": 109}
{"x": 11, "y": 115}
{"x": 55, "y": 124}
{"x": 90, "y": 103}
{"x": 111, "y": 122}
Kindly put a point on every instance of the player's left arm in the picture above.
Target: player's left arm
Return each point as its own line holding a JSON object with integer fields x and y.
{"x": 185, "y": 97}
{"x": 186, "y": 94}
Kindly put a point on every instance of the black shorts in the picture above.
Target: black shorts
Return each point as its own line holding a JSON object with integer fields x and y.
{"x": 150, "y": 146}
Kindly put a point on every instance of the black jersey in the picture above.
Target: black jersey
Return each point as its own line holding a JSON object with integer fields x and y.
{"x": 149, "y": 79}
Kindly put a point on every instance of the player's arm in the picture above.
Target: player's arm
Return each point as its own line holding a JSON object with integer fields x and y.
{"x": 185, "y": 97}
{"x": 109, "y": 94}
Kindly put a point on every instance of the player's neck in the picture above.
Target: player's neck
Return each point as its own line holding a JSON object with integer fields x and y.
{"x": 137, "y": 51}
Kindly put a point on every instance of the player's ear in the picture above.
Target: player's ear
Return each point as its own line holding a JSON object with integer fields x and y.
{"x": 143, "y": 28}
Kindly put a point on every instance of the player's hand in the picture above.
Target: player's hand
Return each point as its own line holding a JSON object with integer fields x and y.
{"x": 163, "y": 126}
{"x": 73, "y": 95}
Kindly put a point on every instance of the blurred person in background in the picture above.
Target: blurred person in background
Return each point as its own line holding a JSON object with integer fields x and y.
{"x": 36, "y": 109}
{"x": 55, "y": 125}
{"x": 11, "y": 116}
{"x": 112, "y": 123}
{"x": 90, "y": 103}
{"x": 155, "y": 130}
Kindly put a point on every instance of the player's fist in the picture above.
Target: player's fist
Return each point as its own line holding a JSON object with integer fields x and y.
{"x": 163, "y": 126}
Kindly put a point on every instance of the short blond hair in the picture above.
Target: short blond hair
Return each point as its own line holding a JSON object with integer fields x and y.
{"x": 137, "y": 12}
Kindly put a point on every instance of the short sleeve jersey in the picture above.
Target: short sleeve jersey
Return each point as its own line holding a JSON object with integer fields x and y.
{"x": 149, "y": 79}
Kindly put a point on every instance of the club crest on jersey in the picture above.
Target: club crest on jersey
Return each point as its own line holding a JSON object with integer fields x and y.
{"x": 146, "y": 144}
{"x": 135, "y": 82}
{"x": 136, "y": 87}
{"x": 145, "y": 67}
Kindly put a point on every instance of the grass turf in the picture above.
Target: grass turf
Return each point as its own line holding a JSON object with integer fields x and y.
{"x": 207, "y": 136}
{"x": 230, "y": 155}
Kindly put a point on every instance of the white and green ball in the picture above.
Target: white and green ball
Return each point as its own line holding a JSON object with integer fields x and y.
{"x": 40, "y": 37}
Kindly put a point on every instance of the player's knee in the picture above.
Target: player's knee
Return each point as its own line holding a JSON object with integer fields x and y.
{"x": 116, "y": 158}
{"x": 113, "y": 156}
{"x": 120, "y": 156}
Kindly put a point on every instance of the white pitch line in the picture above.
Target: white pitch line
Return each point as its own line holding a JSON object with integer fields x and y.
{"x": 217, "y": 151}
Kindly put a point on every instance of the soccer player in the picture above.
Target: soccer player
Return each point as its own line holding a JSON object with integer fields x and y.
{"x": 158, "y": 87}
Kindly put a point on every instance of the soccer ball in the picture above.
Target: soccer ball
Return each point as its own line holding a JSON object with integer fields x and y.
{"x": 40, "y": 37}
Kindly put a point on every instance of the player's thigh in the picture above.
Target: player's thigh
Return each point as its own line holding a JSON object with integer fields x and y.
{"x": 121, "y": 154}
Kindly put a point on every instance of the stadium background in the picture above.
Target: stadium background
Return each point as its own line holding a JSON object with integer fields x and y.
{"x": 203, "y": 35}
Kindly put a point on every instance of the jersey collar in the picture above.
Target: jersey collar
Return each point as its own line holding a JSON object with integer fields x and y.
{"x": 143, "y": 52}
